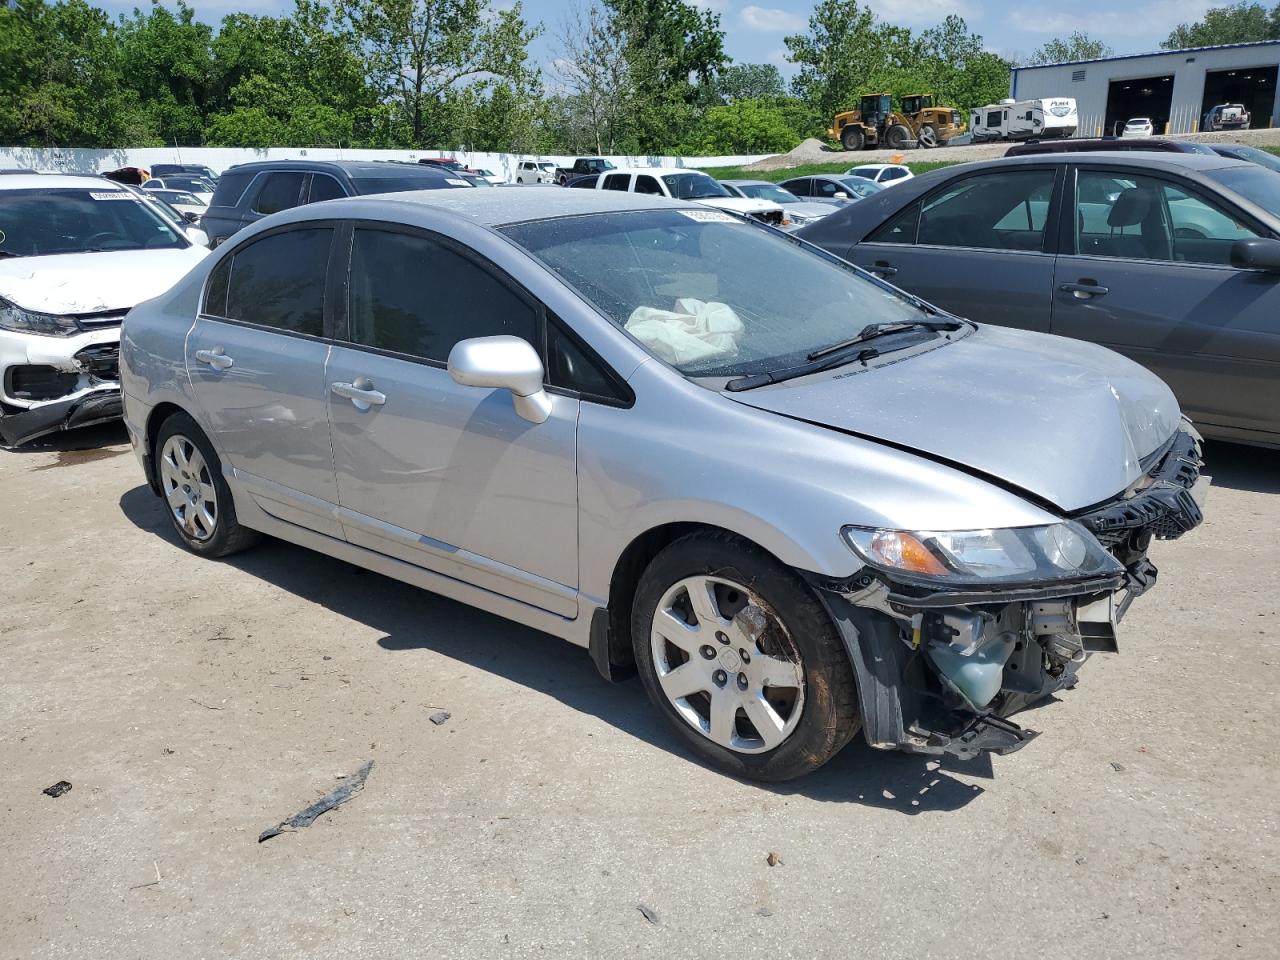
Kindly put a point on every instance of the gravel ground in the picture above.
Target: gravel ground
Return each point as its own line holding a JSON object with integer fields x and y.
{"x": 193, "y": 703}
{"x": 817, "y": 151}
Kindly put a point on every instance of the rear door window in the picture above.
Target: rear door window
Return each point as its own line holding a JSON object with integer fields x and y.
{"x": 617, "y": 181}
{"x": 280, "y": 191}
{"x": 1008, "y": 210}
{"x": 279, "y": 281}
{"x": 799, "y": 187}
{"x": 324, "y": 187}
{"x": 647, "y": 184}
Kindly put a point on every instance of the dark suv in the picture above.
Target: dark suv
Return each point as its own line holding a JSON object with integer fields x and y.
{"x": 251, "y": 191}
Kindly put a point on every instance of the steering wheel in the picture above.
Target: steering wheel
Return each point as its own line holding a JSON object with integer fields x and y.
{"x": 93, "y": 241}
{"x": 1189, "y": 233}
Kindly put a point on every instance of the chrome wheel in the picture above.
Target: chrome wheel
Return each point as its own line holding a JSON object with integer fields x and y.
{"x": 188, "y": 488}
{"x": 727, "y": 664}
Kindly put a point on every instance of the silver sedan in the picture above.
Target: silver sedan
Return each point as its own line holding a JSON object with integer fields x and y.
{"x": 796, "y": 500}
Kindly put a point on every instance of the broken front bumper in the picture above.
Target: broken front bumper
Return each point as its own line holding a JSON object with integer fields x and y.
{"x": 83, "y": 411}
{"x": 941, "y": 671}
{"x": 49, "y": 384}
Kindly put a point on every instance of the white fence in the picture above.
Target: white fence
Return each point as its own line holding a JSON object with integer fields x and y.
{"x": 83, "y": 160}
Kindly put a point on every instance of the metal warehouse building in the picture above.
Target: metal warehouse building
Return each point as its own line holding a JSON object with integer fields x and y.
{"x": 1175, "y": 89}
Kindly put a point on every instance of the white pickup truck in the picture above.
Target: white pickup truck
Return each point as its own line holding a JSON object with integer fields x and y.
{"x": 680, "y": 184}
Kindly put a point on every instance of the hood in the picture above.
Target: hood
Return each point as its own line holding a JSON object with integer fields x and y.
{"x": 810, "y": 209}
{"x": 1064, "y": 420}
{"x": 94, "y": 282}
{"x": 740, "y": 204}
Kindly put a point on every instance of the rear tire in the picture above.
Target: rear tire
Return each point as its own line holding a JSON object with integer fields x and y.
{"x": 851, "y": 138}
{"x": 195, "y": 495}
{"x": 776, "y": 698}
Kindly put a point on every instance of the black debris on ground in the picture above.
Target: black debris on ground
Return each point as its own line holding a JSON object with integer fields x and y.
{"x": 440, "y": 717}
{"x": 57, "y": 790}
{"x": 339, "y": 795}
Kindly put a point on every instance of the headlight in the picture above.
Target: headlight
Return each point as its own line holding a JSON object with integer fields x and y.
{"x": 13, "y": 317}
{"x": 1014, "y": 555}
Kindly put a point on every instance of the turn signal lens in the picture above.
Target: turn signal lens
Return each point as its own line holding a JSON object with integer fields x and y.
{"x": 904, "y": 551}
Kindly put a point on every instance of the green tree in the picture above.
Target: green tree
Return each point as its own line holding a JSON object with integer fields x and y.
{"x": 846, "y": 53}
{"x": 748, "y": 81}
{"x": 954, "y": 66}
{"x": 1078, "y": 46}
{"x": 743, "y": 126}
{"x": 165, "y": 63}
{"x": 672, "y": 50}
{"x": 425, "y": 54}
{"x": 1241, "y": 22}
{"x": 592, "y": 69}
{"x": 60, "y": 80}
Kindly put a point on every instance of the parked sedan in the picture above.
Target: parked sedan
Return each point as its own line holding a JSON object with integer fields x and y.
{"x": 795, "y": 211}
{"x": 1172, "y": 259}
{"x": 882, "y": 173}
{"x": 839, "y": 188}
{"x": 75, "y": 254}
{"x": 183, "y": 201}
{"x": 201, "y": 187}
{"x": 1139, "y": 127}
{"x": 680, "y": 439}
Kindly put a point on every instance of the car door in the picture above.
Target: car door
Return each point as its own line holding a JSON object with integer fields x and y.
{"x": 980, "y": 246}
{"x": 256, "y": 356}
{"x": 446, "y": 476}
{"x": 1146, "y": 270}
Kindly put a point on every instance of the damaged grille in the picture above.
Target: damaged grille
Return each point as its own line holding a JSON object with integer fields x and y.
{"x": 35, "y": 382}
{"x": 103, "y": 318}
{"x": 771, "y": 217}
{"x": 100, "y": 361}
{"x": 1164, "y": 508}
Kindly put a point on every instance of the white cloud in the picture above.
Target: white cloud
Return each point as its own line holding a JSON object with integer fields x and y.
{"x": 779, "y": 57}
{"x": 1130, "y": 22}
{"x": 924, "y": 14}
{"x": 771, "y": 20}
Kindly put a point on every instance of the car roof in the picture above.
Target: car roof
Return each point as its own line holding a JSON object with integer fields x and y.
{"x": 876, "y": 166}
{"x": 495, "y": 208}
{"x": 818, "y": 176}
{"x": 654, "y": 171}
{"x": 749, "y": 183}
{"x": 352, "y": 168}
{"x": 67, "y": 181}
{"x": 1160, "y": 159}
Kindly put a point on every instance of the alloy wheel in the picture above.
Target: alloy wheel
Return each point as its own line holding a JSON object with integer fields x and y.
{"x": 188, "y": 488}
{"x": 727, "y": 664}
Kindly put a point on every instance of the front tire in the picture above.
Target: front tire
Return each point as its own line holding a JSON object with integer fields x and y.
{"x": 741, "y": 657}
{"x": 897, "y": 137}
{"x": 196, "y": 496}
{"x": 851, "y": 138}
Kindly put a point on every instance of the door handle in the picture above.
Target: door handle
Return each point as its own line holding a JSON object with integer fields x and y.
{"x": 883, "y": 268}
{"x": 1085, "y": 289}
{"x": 214, "y": 358}
{"x": 360, "y": 392}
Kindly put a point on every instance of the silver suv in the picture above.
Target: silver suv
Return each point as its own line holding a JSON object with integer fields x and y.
{"x": 797, "y": 500}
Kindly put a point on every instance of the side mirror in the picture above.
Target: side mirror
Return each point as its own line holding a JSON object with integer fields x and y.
{"x": 191, "y": 216}
{"x": 1256, "y": 253}
{"x": 196, "y": 236}
{"x": 507, "y": 363}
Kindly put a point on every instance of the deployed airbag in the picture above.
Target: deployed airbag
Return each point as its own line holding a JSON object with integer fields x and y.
{"x": 696, "y": 330}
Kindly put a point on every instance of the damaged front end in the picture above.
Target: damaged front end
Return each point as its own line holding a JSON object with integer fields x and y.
{"x": 951, "y": 633}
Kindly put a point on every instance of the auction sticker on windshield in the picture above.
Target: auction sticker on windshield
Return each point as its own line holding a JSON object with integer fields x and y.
{"x": 709, "y": 216}
{"x": 111, "y": 196}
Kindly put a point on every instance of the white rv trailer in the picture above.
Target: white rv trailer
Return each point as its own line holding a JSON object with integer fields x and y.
{"x": 1047, "y": 119}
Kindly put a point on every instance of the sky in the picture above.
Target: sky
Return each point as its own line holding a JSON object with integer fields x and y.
{"x": 754, "y": 31}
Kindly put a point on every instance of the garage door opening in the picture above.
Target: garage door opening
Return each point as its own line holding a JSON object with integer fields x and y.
{"x": 1253, "y": 87}
{"x": 1143, "y": 97}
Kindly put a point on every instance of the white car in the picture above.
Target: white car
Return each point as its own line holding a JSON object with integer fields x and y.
{"x": 681, "y": 184}
{"x": 183, "y": 201}
{"x": 536, "y": 171}
{"x": 882, "y": 173}
{"x": 189, "y": 182}
{"x": 491, "y": 177}
{"x": 76, "y": 254}
{"x": 1139, "y": 127}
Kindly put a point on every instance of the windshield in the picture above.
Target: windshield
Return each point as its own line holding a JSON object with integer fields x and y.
{"x": 864, "y": 174}
{"x": 860, "y": 188}
{"x": 1253, "y": 155}
{"x": 198, "y": 184}
{"x": 701, "y": 289}
{"x": 1254, "y": 183}
{"x": 767, "y": 191}
{"x": 179, "y": 196}
{"x": 547, "y": 166}
{"x": 693, "y": 186}
{"x": 43, "y": 221}
{"x": 366, "y": 185}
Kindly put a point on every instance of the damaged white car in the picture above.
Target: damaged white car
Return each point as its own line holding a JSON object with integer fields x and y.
{"x": 75, "y": 254}
{"x": 799, "y": 501}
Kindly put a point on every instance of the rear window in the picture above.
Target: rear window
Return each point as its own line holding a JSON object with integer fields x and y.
{"x": 230, "y": 189}
{"x": 1254, "y": 183}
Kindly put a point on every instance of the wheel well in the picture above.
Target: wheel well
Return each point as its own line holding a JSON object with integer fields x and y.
{"x": 626, "y": 577}
{"x": 159, "y": 414}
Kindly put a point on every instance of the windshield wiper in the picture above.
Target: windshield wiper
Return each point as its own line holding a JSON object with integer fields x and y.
{"x": 799, "y": 370}
{"x": 9, "y": 253}
{"x": 873, "y": 330}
